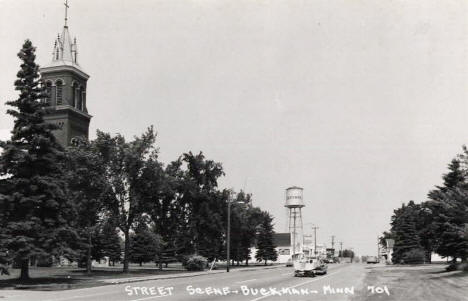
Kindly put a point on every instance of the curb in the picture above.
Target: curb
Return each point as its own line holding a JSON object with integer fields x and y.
{"x": 185, "y": 275}
{"x": 262, "y": 268}
{"x": 138, "y": 279}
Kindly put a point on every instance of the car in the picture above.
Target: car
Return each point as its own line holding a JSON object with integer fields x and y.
{"x": 310, "y": 266}
{"x": 321, "y": 268}
{"x": 289, "y": 263}
{"x": 372, "y": 259}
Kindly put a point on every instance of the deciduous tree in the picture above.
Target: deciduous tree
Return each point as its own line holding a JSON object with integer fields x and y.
{"x": 127, "y": 165}
{"x": 87, "y": 189}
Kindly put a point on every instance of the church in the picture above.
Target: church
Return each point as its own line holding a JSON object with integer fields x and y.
{"x": 65, "y": 82}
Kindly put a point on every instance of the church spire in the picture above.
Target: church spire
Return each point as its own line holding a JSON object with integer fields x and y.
{"x": 65, "y": 51}
{"x": 66, "y": 11}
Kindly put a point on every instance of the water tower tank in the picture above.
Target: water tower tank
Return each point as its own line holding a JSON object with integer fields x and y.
{"x": 294, "y": 197}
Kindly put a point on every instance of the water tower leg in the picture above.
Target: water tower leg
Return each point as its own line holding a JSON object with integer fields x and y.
{"x": 300, "y": 228}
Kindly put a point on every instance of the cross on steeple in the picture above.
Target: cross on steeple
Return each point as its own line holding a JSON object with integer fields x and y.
{"x": 66, "y": 10}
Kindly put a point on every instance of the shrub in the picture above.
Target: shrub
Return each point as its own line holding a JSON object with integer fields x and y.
{"x": 414, "y": 256}
{"x": 183, "y": 259}
{"x": 195, "y": 263}
{"x": 451, "y": 267}
{"x": 457, "y": 266}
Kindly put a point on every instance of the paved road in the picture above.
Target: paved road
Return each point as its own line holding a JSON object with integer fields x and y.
{"x": 268, "y": 285}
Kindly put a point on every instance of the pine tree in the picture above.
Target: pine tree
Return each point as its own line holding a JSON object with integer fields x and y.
{"x": 405, "y": 232}
{"x": 252, "y": 222}
{"x": 449, "y": 207}
{"x": 265, "y": 245}
{"x": 145, "y": 245}
{"x": 34, "y": 210}
{"x": 454, "y": 214}
{"x": 109, "y": 242}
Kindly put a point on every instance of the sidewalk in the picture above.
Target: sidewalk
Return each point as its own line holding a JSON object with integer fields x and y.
{"x": 184, "y": 275}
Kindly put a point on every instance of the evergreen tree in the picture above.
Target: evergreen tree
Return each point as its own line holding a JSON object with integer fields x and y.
{"x": 109, "y": 242}
{"x": 448, "y": 205}
{"x": 35, "y": 213}
{"x": 454, "y": 212}
{"x": 252, "y": 223}
{"x": 145, "y": 245}
{"x": 405, "y": 232}
{"x": 265, "y": 244}
{"x": 244, "y": 221}
{"x": 452, "y": 179}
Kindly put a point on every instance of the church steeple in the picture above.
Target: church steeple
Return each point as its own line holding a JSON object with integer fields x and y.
{"x": 65, "y": 50}
{"x": 66, "y": 83}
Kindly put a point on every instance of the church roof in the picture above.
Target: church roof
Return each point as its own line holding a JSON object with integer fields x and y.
{"x": 65, "y": 50}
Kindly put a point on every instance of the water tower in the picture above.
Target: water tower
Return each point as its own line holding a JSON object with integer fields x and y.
{"x": 294, "y": 204}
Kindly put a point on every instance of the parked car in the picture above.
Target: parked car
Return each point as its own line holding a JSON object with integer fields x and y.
{"x": 372, "y": 259}
{"x": 289, "y": 263}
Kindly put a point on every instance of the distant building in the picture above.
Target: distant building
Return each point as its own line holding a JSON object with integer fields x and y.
{"x": 283, "y": 247}
{"x": 387, "y": 251}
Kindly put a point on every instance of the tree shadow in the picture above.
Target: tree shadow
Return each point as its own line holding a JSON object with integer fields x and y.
{"x": 40, "y": 283}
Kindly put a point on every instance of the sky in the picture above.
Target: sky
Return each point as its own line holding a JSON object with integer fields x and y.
{"x": 361, "y": 103}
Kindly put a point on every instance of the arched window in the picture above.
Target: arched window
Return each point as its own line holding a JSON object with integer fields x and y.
{"x": 59, "y": 92}
{"x": 83, "y": 99}
{"x": 48, "y": 98}
{"x": 80, "y": 99}
{"x": 75, "y": 94}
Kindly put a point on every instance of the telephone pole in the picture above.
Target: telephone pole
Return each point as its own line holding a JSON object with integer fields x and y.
{"x": 333, "y": 243}
{"x": 378, "y": 248}
{"x": 341, "y": 249}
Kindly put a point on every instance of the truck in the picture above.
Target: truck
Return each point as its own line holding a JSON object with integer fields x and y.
{"x": 372, "y": 259}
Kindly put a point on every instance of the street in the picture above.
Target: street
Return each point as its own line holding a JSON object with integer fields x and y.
{"x": 340, "y": 283}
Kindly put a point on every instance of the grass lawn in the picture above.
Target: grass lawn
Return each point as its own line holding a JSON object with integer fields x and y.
{"x": 60, "y": 278}
{"x": 415, "y": 283}
{"x": 57, "y": 278}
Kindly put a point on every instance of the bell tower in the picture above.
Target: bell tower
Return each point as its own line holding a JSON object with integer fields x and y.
{"x": 65, "y": 83}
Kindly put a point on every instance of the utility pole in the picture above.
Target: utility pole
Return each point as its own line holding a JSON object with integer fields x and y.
{"x": 378, "y": 248}
{"x": 341, "y": 249}
{"x": 333, "y": 244}
{"x": 315, "y": 238}
{"x": 228, "y": 238}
